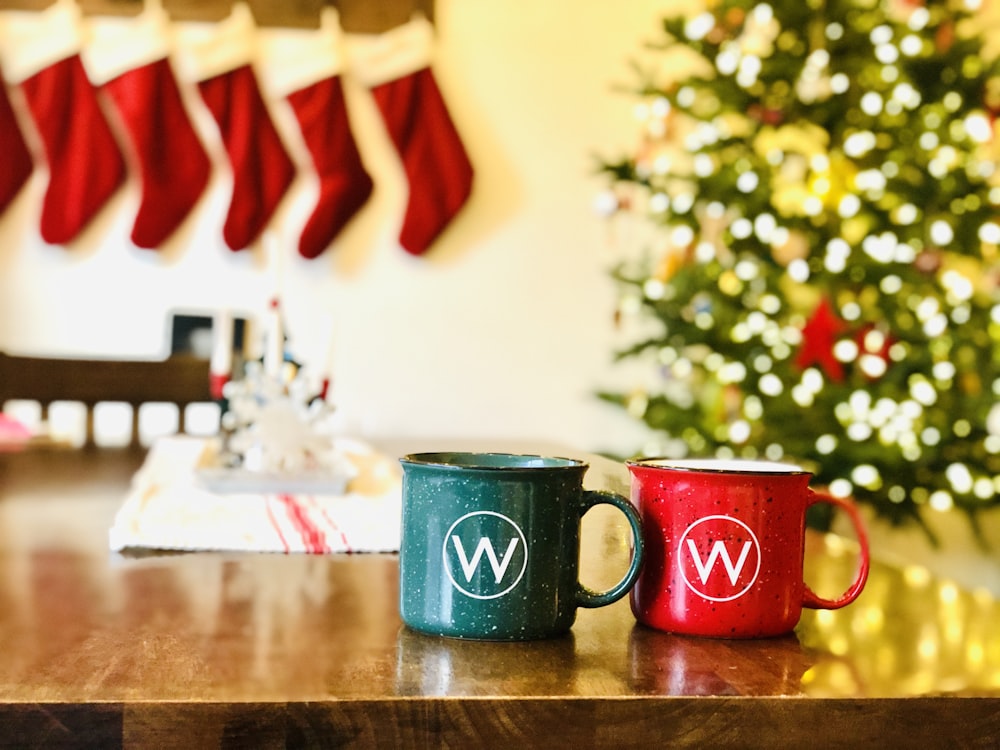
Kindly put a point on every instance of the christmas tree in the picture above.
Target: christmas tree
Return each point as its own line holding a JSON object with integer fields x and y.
{"x": 821, "y": 283}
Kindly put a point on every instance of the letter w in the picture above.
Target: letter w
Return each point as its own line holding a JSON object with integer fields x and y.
{"x": 485, "y": 545}
{"x": 719, "y": 550}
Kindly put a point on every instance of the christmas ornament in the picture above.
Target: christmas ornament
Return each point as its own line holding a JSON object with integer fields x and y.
{"x": 819, "y": 335}
{"x": 276, "y": 424}
{"x": 396, "y": 67}
{"x": 275, "y": 427}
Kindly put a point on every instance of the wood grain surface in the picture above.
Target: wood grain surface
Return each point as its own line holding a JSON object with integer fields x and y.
{"x": 236, "y": 650}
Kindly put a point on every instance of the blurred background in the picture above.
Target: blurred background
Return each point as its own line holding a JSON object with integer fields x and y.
{"x": 503, "y": 328}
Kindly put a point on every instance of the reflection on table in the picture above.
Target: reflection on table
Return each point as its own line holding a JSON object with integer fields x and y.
{"x": 908, "y": 634}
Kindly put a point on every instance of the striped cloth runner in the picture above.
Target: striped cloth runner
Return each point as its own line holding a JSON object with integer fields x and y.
{"x": 168, "y": 507}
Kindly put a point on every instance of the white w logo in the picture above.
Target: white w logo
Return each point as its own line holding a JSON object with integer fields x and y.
{"x": 719, "y": 550}
{"x": 713, "y": 527}
{"x": 485, "y": 526}
{"x": 485, "y": 546}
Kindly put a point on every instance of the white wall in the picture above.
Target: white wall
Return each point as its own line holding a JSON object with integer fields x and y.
{"x": 503, "y": 330}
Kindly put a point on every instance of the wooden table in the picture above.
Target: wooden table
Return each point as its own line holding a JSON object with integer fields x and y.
{"x": 204, "y": 650}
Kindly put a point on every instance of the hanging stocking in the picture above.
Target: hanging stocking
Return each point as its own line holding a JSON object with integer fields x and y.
{"x": 395, "y": 65}
{"x": 41, "y": 53}
{"x": 344, "y": 185}
{"x": 304, "y": 66}
{"x": 17, "y": 158}
{"x": 218, "y": 57}
{"x": 127, "y": 58}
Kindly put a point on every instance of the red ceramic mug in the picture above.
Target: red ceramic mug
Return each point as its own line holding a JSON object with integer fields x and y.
{"x": 724, "y": 544}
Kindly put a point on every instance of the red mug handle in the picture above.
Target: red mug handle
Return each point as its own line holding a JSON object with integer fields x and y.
{"x": 809, "y": 598}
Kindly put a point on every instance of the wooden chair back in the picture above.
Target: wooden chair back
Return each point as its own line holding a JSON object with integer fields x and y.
{"x": 180, "y": 380}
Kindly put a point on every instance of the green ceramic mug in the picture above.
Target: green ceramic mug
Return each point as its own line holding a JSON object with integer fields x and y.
{"x": 490, "y": 545}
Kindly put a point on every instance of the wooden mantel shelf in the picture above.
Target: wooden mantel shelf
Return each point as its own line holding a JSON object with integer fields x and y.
{"x": 356, "y": 16}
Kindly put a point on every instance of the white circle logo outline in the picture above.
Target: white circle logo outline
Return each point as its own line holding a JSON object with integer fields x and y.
{"x": 447, "y": 566}
{"x": 756, "y": 544}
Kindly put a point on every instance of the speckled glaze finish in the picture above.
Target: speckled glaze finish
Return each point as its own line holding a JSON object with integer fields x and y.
{"x": 490, "y": 545}
{"x": 724, "y": 547}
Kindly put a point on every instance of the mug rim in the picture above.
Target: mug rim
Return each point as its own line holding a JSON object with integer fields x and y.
{"x": 438, "y": 459}
{"x": 709, "y": 465}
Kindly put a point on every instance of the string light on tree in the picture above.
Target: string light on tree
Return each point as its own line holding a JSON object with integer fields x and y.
{"x": 824, "y": 175}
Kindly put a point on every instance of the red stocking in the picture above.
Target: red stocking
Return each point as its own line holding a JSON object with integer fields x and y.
{"x": 396, "y": 67}
{"x": 128, "y": 58}
{"x": 262, "y": 169}
{"x": 17, "y": 158}
{"x": 218, "y": 56}
{"x": 85, "y": 165}
{"x": 304, "y": 66}
{"x": 344, "y": 185}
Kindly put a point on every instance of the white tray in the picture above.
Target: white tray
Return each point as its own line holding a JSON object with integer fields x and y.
{"x": 229, "y": 481}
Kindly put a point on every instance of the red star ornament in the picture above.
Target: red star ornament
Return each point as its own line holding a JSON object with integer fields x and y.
{"x": 818, "y": 337}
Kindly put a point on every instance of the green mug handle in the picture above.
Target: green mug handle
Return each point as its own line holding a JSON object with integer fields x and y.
{"x": 586, "y": 597}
